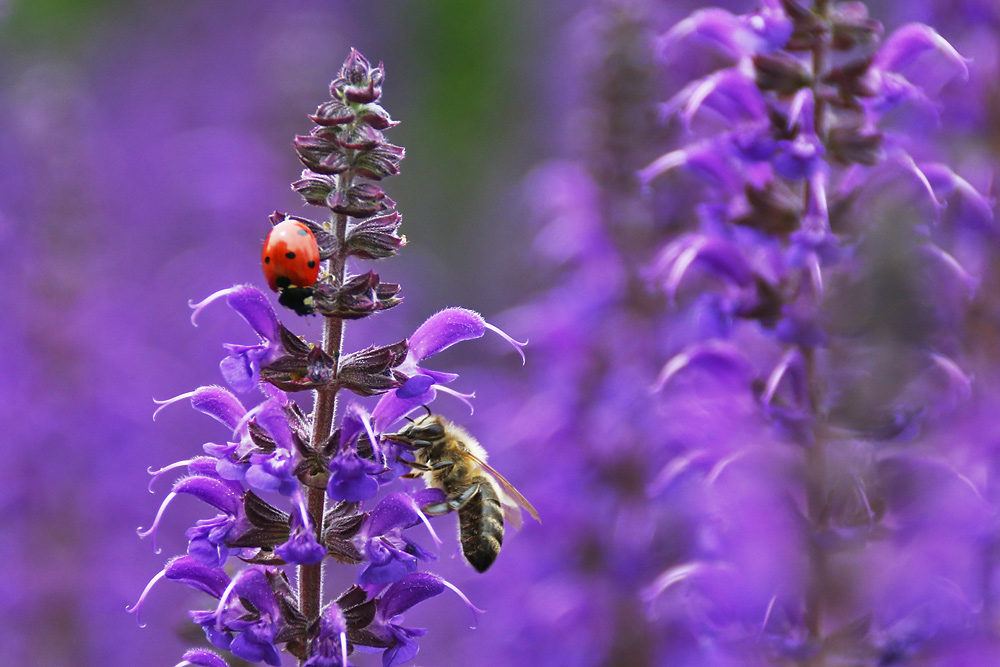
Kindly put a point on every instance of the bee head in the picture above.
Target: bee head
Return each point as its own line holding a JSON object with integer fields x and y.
{"x": 422, "y": 433}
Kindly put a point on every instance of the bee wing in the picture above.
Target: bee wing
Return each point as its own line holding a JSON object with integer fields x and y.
{"x": 511, "y": 498}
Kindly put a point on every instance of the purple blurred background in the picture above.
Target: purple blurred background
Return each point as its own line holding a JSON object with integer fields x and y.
{"x": 142, "y": 147}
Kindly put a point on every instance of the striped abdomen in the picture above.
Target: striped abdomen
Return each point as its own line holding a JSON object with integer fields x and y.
{"x": 480, "y": 521}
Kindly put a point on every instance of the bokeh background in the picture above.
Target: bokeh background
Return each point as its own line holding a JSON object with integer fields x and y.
{"x": 143, "y": 145}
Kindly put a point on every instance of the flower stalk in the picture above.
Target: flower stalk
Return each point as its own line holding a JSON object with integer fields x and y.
{"x": 327, "y": 469}
{"x": 324, "y": 412}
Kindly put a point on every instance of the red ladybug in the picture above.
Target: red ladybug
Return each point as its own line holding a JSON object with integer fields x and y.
{"x": 291, "y": 256}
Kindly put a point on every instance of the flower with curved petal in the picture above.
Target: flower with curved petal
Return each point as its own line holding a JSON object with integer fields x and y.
{"x": 438, "y": 332}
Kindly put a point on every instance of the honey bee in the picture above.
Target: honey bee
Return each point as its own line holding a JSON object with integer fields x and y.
{"x": 450, "y": 459}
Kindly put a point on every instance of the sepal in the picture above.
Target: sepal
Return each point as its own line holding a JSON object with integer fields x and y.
{"x": 379, "y": 162}
{"x": 360, "y": 201}
{"x": 370, "y": 371}
{"x": 300, "y": 372}
{"x": 376, "y": 237}
{"x": 333, "y": 112}
{"x": 320, "y": 154}
{"x": 358, "y": 297}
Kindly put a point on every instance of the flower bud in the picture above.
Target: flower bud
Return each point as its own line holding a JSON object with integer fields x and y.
{"x": 360, "y": 201}
{"x": 781, "y": 73}
{"x": 370, "y": 371}
{"x": 381, "y": 161}
{"x": 376, "y": 237}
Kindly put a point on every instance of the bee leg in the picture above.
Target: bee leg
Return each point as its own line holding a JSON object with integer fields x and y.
{"x": 422, "y": 467}
{"x": 452, "y": 504}
{"x": 413, "y": 464}
{"x": 462, "y": 499}
{"x": 435, "y": 509}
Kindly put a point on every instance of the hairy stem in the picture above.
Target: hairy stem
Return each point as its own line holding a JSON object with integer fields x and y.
{"x": 324, "y": 411}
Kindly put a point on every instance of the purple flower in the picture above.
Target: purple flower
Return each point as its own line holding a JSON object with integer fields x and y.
{"x": 241, "y": 368}
{"x": 273, "y": 470}
{"x": 439, "y": 332}
{"x": 398, "y": 598}
{"x": 330, "y": 646}
{"x": 302, "y": 547}
{"x": 207, "y": 540}
{"x": 388, "y": 553}
{"x": 735, "y": 36}
{"x": 254, "y": 632}
{"x": 353, "y": 478}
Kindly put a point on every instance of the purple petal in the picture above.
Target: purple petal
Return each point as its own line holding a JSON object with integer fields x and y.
{"x": 351, "y": 477}
{"x": 202, "y": 658}
{"x": 354, "y": 423}
{"x": 270, "y": 415}
{"x": 736, "y": 36}
{"x": 719, "y": 255}
{"x": 386, "y": 564}
{"x": 401, "y": 652}
{"x": 799, "y": 159}
{"x": 730, "y": 93}
{"x": 397, "y": 510}
{"x": 240, "y": 370}
{"x": 219, "y": 403}
{"x": 390, "y": 408}
{"x": 443, "y": 329}
{"x": 187, "y": 570}
{"x": 216, "y": 493}
{"x": 706, "y": 160}
{"x": 301, "y": 549}
{"x": 254, "y": 307}
{"x": 415, "y": 386}
{"x": 410, "y": 590}
{"x": 945, "y": 181}
{"x": 252, "y": 584}
{"x": 905, "y": 45}
{"x": 715, "y": 357}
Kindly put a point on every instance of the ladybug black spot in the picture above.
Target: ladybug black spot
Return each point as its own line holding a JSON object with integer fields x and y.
{"x": 311, "y": 264}
{"x": 267, "y": 260}
{"x": 290, "y": 255}
{"x": 282, "y": 282}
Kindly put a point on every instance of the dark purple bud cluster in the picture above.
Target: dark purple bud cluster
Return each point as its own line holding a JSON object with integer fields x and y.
{"x": 347, "y": 144}
{"x": 272, "y": 478}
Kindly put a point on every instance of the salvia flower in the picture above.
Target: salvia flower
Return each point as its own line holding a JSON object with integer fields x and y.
{"x": 290, "y": 490}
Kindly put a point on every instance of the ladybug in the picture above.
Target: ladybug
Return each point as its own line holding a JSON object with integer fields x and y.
{"x": 290, "y": 257}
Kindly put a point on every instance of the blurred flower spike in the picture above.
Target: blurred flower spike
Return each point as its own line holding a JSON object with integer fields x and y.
{"x": 818, "y": 216}
{"x": 766, "y": 337}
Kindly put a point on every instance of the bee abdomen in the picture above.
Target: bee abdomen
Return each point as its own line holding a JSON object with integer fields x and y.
{"x": 481, "y": 523}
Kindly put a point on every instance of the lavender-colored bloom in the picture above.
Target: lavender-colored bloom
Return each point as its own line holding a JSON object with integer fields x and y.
{"x": 330, "y": 648}
{"x": 388, "y": 554}
{"x": 397, "y": 599}
{"x": 302, "y": 548}
{"x": 438, "y": 332}
{"x": 241, "y": 368}
{"x": 352, "y": 477}
{"x": 273, "y": 470}
{"x": 255, "y": 636}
